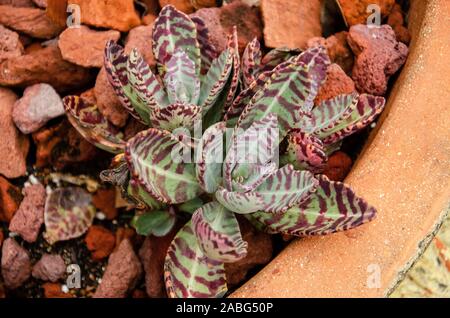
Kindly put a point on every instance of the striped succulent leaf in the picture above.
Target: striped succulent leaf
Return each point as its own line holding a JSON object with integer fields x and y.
{"x": 177, "y": 115}
{"x": 214, "y": 82}
{"x": 188, "y": 272}
{"x": 144, "y": 82}
{"x": 250, "y": 154}
{"x": 334, "y": 207}
{"x": 157, "y": 223}
{"x": 174, "y": 30}
{"x": 116, "y": 69}
{"x": 240, "y": 202}
{"x": 305, "y": 151}
{"x": 356, "y": 113}
{"x": 276, "y": 57}
{"x": 180, "y": 79}
{"x": 92, "y": 125}
{"x": 155, "y": 158}
{"x": 251, "y": 62}
{"x": 68, "y": 214}
{"x": 142, "y": 197}
{"x": 218, "y": 233}
{"x": 207, "y": 50}
{"x": 289, "y": 92}
{"x": 233, "y": 46}
{"x": 280, "y": 191}
{"x": 209, "y": 158}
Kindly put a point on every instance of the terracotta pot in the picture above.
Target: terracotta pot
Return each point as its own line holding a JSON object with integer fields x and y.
{"x": 404, "y": 172}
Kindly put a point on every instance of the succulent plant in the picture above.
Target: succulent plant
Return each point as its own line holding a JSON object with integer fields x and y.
{"x": 235, "y": 165}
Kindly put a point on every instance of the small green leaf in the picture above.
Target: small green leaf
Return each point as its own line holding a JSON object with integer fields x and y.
{"x": 191, "y": 206}
{"x": 157, "y": 223}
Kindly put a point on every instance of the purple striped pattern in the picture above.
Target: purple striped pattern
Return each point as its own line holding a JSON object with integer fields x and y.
{"x": 334, "y": 207}
{"x": 188, "y": 272}
{"x": 177, "y": 115}
{"x": 207, "y": 50}
{"x": 251, "y": 62}
{"x": 218, "y": 233}
{"x": 305, "y": 151}
{"x": 149, "y": 155}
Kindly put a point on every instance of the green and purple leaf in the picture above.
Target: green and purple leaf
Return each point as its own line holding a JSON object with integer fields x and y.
{"x": 180, "y": 79}
{"x": 305, "y": 151}
{"x": 116, "y": 69}
{"x": 92, "y": 125}
{"x": 250, "y": 155}
{"x": 207, "y": 50}
{"x": 145, "y": 200}
{"x": 276, "y": 57}
{"x": 188, "y": 272}
{"x": 356, "y": 112}
{"x": 251, "y": 62}
{"x": 209, "y": 158}
{"x": 334, "y": 207}
{"x": 68, "y": 214}
{"x": 175, "y": 116}
{"x": 155, "y": 158}
{"x": 174, "y": 30}
{"x": 289, "y": 92}
{"x": 157, "y": 223}
{"x": 283, "y": 189}
{"x": 218, "y": 233}
{"x": 233, "y": 47}
{"x": 144, "y": 82}
{"x": 214, "y": 82}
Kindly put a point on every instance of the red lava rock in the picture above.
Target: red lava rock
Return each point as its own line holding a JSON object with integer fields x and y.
{"x": 107, "y": 101}
{"x": 355, "y": 11}
{"x": 122, "y": 273}
{"x": 152, "y": 255}
{"x": 41, "y": 3}
{"x": 199, "y": 4}
{"x": 10, "y": 198}
{"x": 49, "y": 268}
{"x": 84, "y": 46}
{"x": 61, "y": 146}
{"x": 379, "y": 55}
{"x": 18, "y": 3}
{"x": 220, "y": 22}
{"x": 260, "y": 252}
{"x": 105, "y": 201}
{"x": 13, "y": 145}
{"x": 33, "y": 47}
{"x": 31, "y": 21}
{"x": 54, "y": 290}
{"x": 141, "y": 39}
{"x": 290, "y": 24}
{"x": 29, "y": 69}
{"x": 10, "y": 45}
{"x": 397, "y": 22}
{"x": 100, "y": 241}
{"x": 149, "y": 19}
{"x": 1, "y": 237}
{"x": 182, "y": 5}
{"x": 338, "y": 49}
{"x": 152, "y": 6}
{"x": 338, "y": 166}
{"x": 110, "y": 14}
{"x": 39, "y": 104}
{"x": 337, "y": 83}
{"x": 16, "y": 266}
{"x": 28, "y": 220}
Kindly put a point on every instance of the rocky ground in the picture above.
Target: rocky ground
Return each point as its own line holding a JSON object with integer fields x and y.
{"x": 41, "y": 61}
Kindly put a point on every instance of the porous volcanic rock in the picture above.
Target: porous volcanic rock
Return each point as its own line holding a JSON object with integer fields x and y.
{"x": 15, "y": 264}
{"x": 49, "y": 268}
{"x": 28, "y": 220}
{"x": 10, "y": 45}
{"x": 31, "y": 21}
{"x": 13, "y": 145}
{"x": 110, "y": 14}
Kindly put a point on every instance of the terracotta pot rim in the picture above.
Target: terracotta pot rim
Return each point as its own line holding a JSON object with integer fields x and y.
{"x": 403, "y": 171}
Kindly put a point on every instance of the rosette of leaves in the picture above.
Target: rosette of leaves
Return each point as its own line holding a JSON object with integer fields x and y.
{"x": 193, "y": 83}
{"x": 276, "y": 105}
